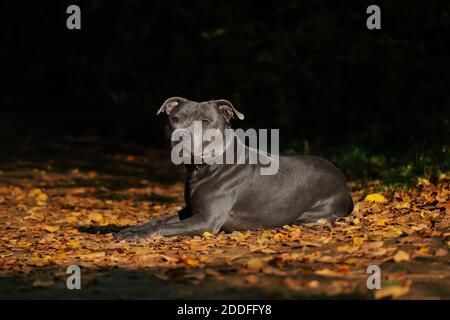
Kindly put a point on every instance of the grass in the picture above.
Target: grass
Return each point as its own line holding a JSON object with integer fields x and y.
{"x": 393, "y": 169}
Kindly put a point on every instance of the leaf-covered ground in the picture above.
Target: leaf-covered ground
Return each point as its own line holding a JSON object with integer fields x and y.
{"x": 61, "y": 202}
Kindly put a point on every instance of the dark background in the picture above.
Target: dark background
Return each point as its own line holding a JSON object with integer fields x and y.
{"x": 310, "y": 68}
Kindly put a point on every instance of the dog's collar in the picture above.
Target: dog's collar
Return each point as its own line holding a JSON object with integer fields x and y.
{"x": 229, "y": 139}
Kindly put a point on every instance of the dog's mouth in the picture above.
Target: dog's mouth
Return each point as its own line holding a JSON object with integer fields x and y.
{"x": 201, "y": 151}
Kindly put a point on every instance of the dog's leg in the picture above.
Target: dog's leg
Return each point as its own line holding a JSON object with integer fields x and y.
{"x": 331, "y": 210}
{"x": 145, "y": 227}
{"x": 194, "y": 225}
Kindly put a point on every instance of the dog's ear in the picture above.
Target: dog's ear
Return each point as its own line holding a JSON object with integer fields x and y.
{"x": 228, "y": 109}
{"x": 170, "y": 103}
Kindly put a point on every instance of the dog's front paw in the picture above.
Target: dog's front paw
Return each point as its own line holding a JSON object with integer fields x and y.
{"x": 131, "y": 234}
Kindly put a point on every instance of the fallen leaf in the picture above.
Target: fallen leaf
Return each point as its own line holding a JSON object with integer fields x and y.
{"x": 94, "y": 255}
{"x": 423, "y": 182}
{"x": 216, "y": 274}
{"x": 207, "y": 234}
{"x": 96, "y": 217}
{"x": 296, "y": 285}
{"x": 252, "y": 279}
{"x": 43, "y": 283}
{"x": 310, "y": 244}
{"x": 255, "y": 264}
{"x": 190, "y": 261}
{"x": 357, "y": 241}
{"x": 401, "y": 256}
{"x": 168, "y": 258}
{"x": 391, "y": 291}
{"x": 50, "y": 228}
{"x": 441, "y": 252}
{"x": 346, "y": 248}
{"x": 313, "y": 284}
{"x": 326, "y": 272}
{"x": 375, "y": 197}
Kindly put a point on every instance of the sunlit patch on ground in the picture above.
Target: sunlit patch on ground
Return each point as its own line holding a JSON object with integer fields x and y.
{"x": 55, "y": 214}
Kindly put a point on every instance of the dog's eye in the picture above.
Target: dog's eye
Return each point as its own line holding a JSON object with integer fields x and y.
{"x": 175, "y": 119}
{"x": 205, "y": 122}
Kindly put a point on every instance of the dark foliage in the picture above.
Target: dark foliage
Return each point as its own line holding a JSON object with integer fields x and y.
{"x": 310, "y": 68}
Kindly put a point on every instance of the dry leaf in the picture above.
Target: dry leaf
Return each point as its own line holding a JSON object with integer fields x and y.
{"x": 50, "y": 228}
{"x": 391, "y": 291}
{"x": 252, "y": 279}
{"x": 96, "y": 217}
{"x": 313, "y": 284}
{"x": 326, "y": 272}
{"x": 255, "y": 264}
{"x": 375, "y": 197}
{"x": 43, "y": 283}
{"x": 441, "y": 252}
{"x": 190, "y": 261}
{"x": 296, "y": 285}
{"x": 401, "y": 256}
{"x": 357, "y": 241}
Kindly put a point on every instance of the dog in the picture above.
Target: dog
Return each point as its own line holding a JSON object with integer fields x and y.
{"x": 229, "y": 197}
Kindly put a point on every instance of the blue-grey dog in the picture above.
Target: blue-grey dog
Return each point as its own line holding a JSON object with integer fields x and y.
{"x": 236, "y": 196}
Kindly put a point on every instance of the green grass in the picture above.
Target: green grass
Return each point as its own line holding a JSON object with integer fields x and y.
{"x": 394, "y": 170}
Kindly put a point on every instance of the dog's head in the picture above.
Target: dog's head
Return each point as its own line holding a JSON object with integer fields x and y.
{"x": 189, "y": 116}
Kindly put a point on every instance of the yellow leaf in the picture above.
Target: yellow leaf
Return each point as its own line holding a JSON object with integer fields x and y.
{"x": 423, "y": 182}
{"x": 204, "y": 259}
{"x": 326, "y": 272}
{"x": 266, "y": 235}
{"x": 93, "y": 255}
{"x": 35, "y": 192}
{"x": 424, "y": 250}
{"x": 391, "y": 291}
{"x": 422, "y": 215}
{"x": 207, "y": 234}
{"x": 40, "y": 262}
{"x": 381, "y": 222}
{"x": 346, "y": 248}
{"x": 42, "y": 197}
{"x": 254, "y": 264}
{"x": 279, "y": 236}
{"x": 50, "y": 228}
{"x": 375, "y": 197}
{"x": 401, "y": 256}
{"x": 43, "y": 283}
{"x": 97, "y": 217}
{"x": 73, "y": 243}
{"x": 190, "y": 261}
{"x": 352, "y": 261}
{"x": 358, "y": 241}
